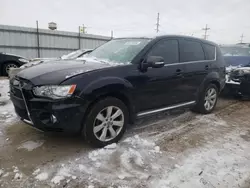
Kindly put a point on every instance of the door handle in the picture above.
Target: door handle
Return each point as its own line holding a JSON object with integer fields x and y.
{"x": 178, "y": 72}
{"x": 206, "y": 67}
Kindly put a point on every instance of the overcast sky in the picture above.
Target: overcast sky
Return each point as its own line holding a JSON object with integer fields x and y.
{"x": 228, "y": 19}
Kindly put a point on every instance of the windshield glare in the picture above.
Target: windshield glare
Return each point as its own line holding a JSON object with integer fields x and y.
{"x": 119, "y": 50}
{"x": 235, "y": 51}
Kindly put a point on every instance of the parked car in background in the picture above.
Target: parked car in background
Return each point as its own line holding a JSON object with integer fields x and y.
{"x": 71, "y": 55}
{"x": 36, "y": 61}
{"x": 237, "y": 58}
{"x": 8, "y": 61}
{"x": 121, "y": 80}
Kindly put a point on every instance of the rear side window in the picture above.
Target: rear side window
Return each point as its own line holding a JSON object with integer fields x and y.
{"x": 168, "y": 49}
{"x": 210, "y": 51}
{"x": 191, "y": 51}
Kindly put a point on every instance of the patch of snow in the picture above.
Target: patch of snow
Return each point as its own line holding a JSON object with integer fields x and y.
{"x": 18, "y": 176}
{"x": 91, "y": 186}
{"x": 111, "y": 146}
{"x": 121, "y": 176}
{"x": 42, "y": 176}
{"x": 15, "y": 169}
{"x": 1, "y": 172}
{"x": 6, "y": 175}
{"x": 7, "y": 112}
{"x": 157, "y": 148}
{"x": 36, "y": 171}
{"x": 73, "y": 177}
{"x": 57, "y": 179}
{"x": 31, "y": 145}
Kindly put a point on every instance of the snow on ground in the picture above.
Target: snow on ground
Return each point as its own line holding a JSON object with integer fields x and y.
{"x": 7, "y": 114}
{"x": 31, "y": 145}
{"x": 140, "y": 162}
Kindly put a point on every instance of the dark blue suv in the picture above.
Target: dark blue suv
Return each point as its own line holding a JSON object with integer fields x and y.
{"x": 121, "y": 80}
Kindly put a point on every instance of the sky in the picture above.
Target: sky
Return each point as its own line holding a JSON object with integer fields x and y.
{"x": 227, "y": 19}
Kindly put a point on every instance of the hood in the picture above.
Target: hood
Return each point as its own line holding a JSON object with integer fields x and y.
{"x": 243, "y": 61}
{"x": 54, "y": 72}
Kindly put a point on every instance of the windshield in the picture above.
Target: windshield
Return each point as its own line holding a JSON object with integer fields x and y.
{"x": 72, "y": 55}
{"x": 119, "y": 50}
{"x": 235, "y": 51}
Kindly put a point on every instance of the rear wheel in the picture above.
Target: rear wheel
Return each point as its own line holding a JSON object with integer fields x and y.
{"x": 208, "y": 100}
{"x": 7, "y": 67}
{"x": 106, "y": 122}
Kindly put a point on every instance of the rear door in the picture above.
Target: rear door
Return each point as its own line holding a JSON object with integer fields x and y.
{"x": 197, "y": 65}
{"x": 162, "y": 86}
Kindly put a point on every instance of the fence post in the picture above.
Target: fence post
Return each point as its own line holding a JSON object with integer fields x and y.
{"x": 79, "y": 37}
{"x": 38, "y": 42}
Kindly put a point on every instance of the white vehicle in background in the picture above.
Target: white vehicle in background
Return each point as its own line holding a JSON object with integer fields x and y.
{"x": 73, "y": 55}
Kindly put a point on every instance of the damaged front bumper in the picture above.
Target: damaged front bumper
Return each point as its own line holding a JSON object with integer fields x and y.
{"x": 46, "y": 114}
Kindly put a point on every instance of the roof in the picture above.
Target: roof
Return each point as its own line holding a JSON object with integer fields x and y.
{"x": 158, "y": 36}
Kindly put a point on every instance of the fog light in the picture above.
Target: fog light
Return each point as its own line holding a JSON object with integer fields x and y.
{"x": 53, "y": 118}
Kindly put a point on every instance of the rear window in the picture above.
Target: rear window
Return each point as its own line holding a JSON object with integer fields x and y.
{"x": 210, "y": 51}
{"x": 191, "y": 51}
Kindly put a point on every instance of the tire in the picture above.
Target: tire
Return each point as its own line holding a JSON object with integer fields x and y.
{"x": 202, "y": 106}
{"x": 98, "y": 118}
{"x": 6, "y": 66}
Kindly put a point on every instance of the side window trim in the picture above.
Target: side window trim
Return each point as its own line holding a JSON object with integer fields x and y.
{"x": 166, "y": 39}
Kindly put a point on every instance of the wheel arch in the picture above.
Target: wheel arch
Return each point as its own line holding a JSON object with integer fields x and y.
{"x": 121, "y": 95}
{"x": 8, "y": 62}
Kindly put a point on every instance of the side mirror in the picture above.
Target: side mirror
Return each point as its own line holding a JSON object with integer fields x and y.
{"x": 154, "y": 62}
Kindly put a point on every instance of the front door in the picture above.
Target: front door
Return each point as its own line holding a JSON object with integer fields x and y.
{"x": 161, "y": 87}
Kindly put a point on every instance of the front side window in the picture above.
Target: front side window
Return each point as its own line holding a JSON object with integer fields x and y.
{"x": 168, "y": 49}
{"x": 191, "y": 51}
{"x": 120, "y": 50}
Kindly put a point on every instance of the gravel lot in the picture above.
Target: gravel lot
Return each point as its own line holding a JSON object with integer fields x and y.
{"x": 178, "y": 149}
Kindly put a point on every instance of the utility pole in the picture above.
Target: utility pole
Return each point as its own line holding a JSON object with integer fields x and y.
{"x": 241, "y": 38}
{"x": 206, "y": 29}
{"x": 158, "y": 22}
{"x": 112, "y": 34}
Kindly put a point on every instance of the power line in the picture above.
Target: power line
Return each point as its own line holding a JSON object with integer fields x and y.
{"x": 241, "y": 38}
{"x": 206, "y": 29}
{"x": 158, "y": 22}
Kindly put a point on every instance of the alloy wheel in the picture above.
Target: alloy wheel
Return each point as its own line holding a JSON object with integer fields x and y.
{"x": 108, "y": 123}
{"x": 9, "y": 66}
{"x": 210, "y": 99}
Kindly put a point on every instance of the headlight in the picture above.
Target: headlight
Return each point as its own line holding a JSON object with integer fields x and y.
{"x": 23, "y": 60}
{"x": 54, "y": 92}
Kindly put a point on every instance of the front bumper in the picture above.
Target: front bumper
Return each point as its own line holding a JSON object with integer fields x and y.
{"x": 49, "y": 115}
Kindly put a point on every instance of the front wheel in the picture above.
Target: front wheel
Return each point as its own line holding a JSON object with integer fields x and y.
{"x": 207, "y": 100}
{"x": 106, "y": 122}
